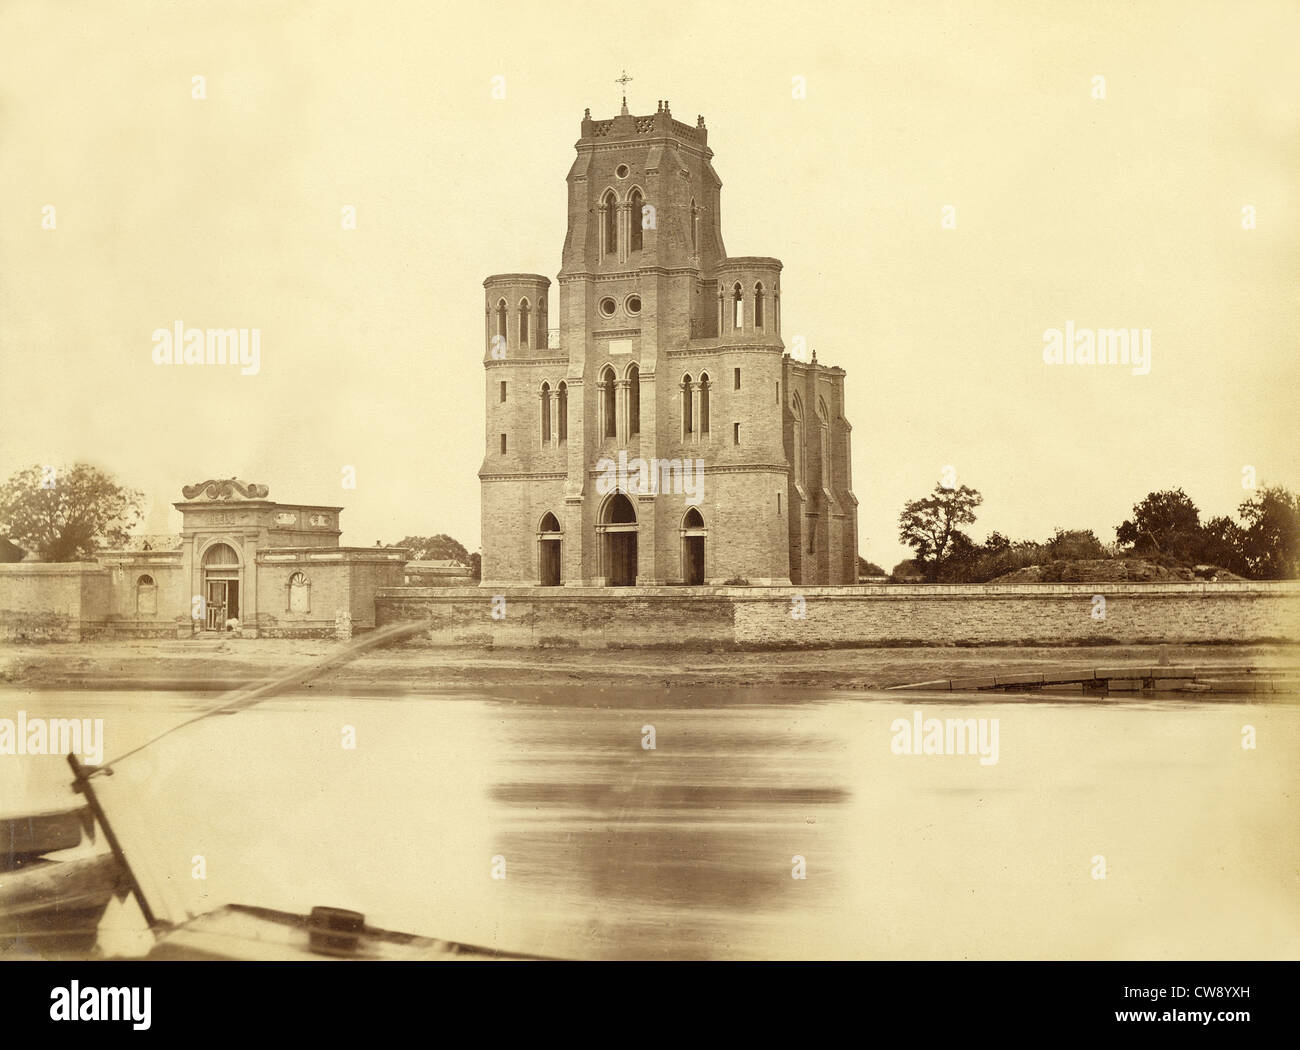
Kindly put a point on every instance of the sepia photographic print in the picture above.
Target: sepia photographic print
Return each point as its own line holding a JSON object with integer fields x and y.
{"x": 726, "y": 482}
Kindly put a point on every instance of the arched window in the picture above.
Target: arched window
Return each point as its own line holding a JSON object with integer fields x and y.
{"x": 146, "y": 596}
{"x": 796, "y": 410}
{"x": 695, "y": 225}
{"x": 562, "y": 410}
{"x": 609, "y": 401}
{"x": 523, "y": 323}
{"x": 548, "y": 554}
{"x": 637, "y": 220}
{"x": 704, "y": 402}
{"x": 693, "y": 547}
{"x": 220, "y": 556}
{"x": 737, "y": 308}
{"x": 501, "y": 318}
{"x": 541, "y": 323}
{"x": 610, "y": 204}
{"x": 299, "y": 593}
{"x": 634, "y": 400}
{"x": 823, "y": 421}
{"x": 688, "y": 423}
{"x": 546, "y": 412}
{"x": 758, "y": 305}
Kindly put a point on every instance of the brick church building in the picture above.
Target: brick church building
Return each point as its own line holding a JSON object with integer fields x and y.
{"x": 659, "y": 434}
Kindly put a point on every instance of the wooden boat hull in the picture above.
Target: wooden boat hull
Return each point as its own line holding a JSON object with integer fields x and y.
{"x": 51, "y": 907}
{"x": 34, "y": 834}
{"x": 240, "y": 931}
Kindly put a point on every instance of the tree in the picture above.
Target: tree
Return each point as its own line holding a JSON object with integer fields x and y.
{"x": 1223, "y": 544}
{"x": 961, "y": 563}
{"x": 67, "y": 514}
{"x": 931, "y": 526}
{"x": 1271, "y": 533}
{"x": 907, "y": 569}
{"x": 1165, "y": 523}
{"x": 1074, "y": 545}
{"x": 869, "y": 568}
{"x": 996, "y": 544}
{"x": 434, "y": 548}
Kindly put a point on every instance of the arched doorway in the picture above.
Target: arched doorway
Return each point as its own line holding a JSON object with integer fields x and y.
{"x": 221, "y": 579}
{"x": 549, "y": 548}
{"x": 693, "y": 534}
{"x": 617, "y": 530}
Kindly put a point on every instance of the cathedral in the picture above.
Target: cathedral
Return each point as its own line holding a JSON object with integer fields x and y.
{"x": 659, "y": 434}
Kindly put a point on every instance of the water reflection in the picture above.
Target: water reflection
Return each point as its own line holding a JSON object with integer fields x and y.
{"x": 611, "y": 850}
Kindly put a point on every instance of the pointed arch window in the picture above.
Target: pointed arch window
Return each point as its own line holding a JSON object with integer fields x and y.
{"x": 523, "y": 322}
{"x": 638, "y": 228}
{"x": 695, "y": 226}
{"x": 610, "y": 207}
{"x": 823, "y": 423}
{"x": 688, "y": 423}
{"x": 758, "y": 305}
{"x": 609, "y": 401}
{"x": 562, "y": 413}
{"x": 704, "y": 402}
{"x": 796, "y": 410}
{"x": 501, "y": 318}
{"x": 633, "y": 400}
{"x": 737, "y": 308}
{"x": 546, "y": 413}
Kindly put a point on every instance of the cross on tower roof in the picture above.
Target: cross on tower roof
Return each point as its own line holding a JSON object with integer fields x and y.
{"x": 624, "y": 80}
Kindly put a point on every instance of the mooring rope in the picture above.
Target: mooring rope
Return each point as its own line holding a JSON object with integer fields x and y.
{"x": 246, "y": 696}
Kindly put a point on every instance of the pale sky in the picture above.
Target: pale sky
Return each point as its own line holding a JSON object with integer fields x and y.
{"x": 225, "y": 212}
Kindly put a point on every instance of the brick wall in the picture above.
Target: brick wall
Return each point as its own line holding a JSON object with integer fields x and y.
{"x": 343, "y": 580}
{"x": 852, "y": 616}
{"x": 52, "y": 602}
{"x": 128, "y": 613}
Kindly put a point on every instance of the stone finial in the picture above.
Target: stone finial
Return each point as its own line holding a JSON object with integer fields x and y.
{"x": 699, "y": 121}
{"x": 586, "y": 113}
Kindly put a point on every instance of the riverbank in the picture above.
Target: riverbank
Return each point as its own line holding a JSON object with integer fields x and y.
{"x": 223, "y": 664}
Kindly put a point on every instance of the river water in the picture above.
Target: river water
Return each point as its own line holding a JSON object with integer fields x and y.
{"x": 611, "y": 849}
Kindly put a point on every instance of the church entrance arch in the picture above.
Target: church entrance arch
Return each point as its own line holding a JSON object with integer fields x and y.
{"x": 617, "y": 534}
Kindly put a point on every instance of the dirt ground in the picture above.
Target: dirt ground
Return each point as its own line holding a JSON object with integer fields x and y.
{"x": 234, "y": 663}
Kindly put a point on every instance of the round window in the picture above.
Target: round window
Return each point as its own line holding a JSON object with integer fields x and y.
{"x": 607, "y": 307}
{"x": 634, "y": 304}
{"x": 621, "y": 171}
